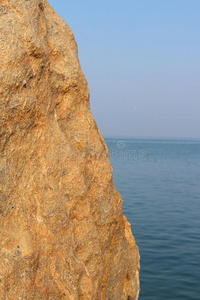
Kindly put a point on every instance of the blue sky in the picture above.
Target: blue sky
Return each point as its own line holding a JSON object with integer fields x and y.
{"x": 141, "y": 59}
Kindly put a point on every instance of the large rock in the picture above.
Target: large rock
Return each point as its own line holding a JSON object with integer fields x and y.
{"x": 62, "y": 230}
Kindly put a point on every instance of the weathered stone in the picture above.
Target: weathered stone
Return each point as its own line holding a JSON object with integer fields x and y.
{"x": 62, "y": 230}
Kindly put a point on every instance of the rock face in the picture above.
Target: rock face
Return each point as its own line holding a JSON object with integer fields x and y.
{"x": 62, "y": 230}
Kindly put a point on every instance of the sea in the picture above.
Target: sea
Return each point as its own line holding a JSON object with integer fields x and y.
{"x": 159, "y": 180}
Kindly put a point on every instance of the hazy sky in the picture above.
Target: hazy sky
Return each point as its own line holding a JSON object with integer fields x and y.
{"x": 141, "y": 59}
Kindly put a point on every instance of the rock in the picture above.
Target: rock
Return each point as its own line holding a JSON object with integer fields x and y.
{"x": 62, "y": 230}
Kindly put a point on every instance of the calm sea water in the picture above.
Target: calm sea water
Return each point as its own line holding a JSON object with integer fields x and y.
{"x": 159, "y": 181}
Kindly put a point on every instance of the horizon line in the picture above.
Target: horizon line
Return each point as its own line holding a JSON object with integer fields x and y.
{"x": 151, "y": 137}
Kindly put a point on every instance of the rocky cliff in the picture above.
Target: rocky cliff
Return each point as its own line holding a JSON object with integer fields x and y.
{"x": 62, "y": 230}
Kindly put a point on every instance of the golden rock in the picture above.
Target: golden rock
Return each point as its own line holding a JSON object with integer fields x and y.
{"x": 62, "y": 230}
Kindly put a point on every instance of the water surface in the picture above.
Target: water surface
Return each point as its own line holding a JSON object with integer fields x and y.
{"x": 159, "y": 181}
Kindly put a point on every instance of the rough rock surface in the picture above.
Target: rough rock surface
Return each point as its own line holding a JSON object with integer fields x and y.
{"x": 62, "y": 230}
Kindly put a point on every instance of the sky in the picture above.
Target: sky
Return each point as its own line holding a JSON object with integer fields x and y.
{"x": 141, "y": 59}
